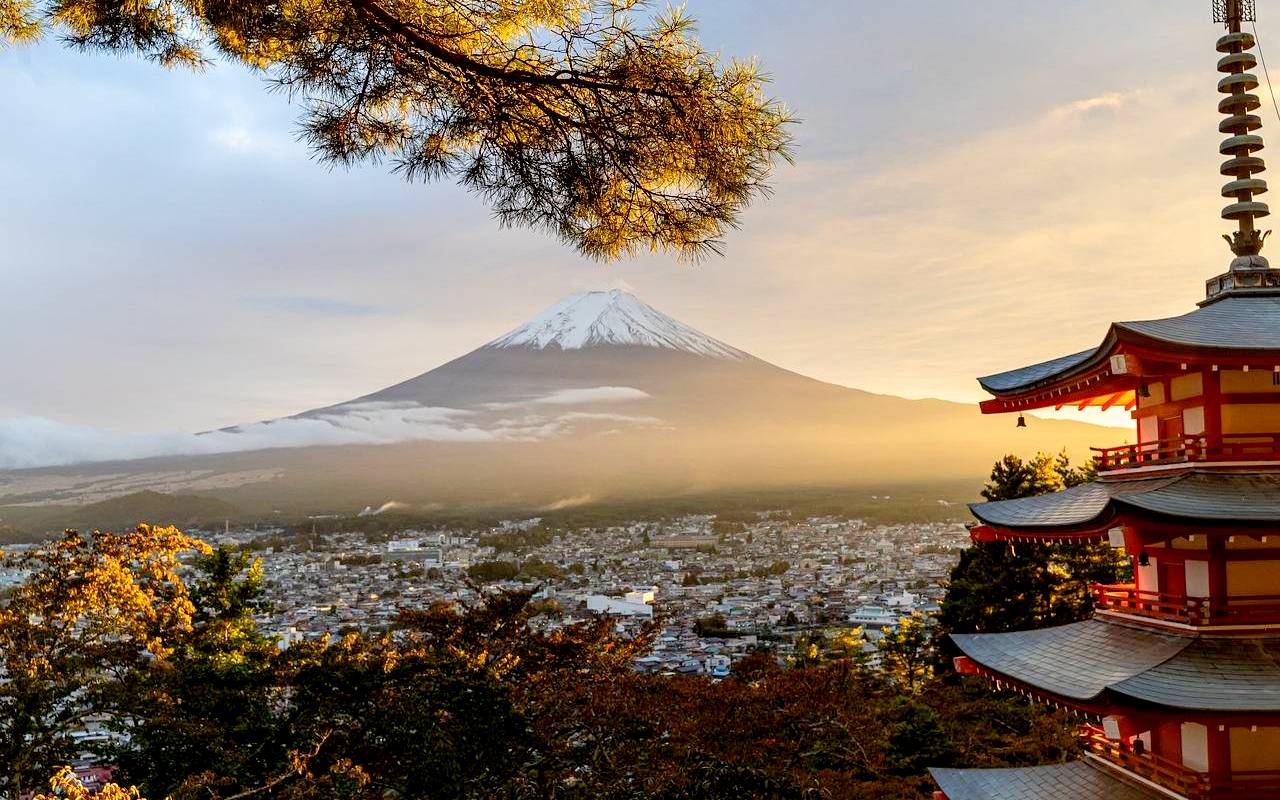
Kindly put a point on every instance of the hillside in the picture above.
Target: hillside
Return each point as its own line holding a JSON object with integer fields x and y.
{"x": 601, "y": 398}
{"x": 147, "y": 506}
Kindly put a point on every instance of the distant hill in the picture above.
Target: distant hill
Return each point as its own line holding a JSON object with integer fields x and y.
{"x": 601, "y": 398}
{"x": 156, "y": 508}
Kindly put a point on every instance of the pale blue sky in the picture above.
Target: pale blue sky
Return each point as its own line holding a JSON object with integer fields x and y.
{"x": 979, "y": 185}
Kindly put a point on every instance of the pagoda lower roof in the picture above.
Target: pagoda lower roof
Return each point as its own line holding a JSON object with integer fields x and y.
{"x": 1248, "y": 326}
{"x": 1097, "y": 661}
{"x": 1233, "y": 498}
{"x": 1077, "y": 780}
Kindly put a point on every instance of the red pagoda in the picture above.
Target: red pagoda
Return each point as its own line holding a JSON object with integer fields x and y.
{"x": 1179, "y": 671}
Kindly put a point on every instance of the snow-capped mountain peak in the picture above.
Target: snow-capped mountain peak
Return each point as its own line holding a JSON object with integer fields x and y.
{"x": 591, "y": 319}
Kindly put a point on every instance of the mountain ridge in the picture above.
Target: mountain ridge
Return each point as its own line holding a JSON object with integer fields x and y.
{"x": 596, "y": 397}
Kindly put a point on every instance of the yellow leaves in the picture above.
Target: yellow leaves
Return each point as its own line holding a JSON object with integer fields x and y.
{"x": 111, "y": 588}
{"x": 66, "y": 786}
{"x": 598, "y": 120}
{"x": 19, "y": 23}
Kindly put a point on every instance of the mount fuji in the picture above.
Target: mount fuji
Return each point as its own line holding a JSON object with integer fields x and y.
{"x": 598, "y": 397}
{"x": 597, "y": 319}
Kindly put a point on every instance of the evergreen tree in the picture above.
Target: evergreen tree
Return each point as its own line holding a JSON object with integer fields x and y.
{"x": 605, "y": 125}
{"x": 916, "y": 739}
{"x": 212, "y": 702}
{"x": 1002, "y": 587}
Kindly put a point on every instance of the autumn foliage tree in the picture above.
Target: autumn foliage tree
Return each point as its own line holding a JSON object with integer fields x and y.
{"x": 608, "y": 126}
{"x": 66, "y": 786}
{"x": 91, "y": 608}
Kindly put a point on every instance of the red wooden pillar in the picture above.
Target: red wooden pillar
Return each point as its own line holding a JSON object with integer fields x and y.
{"x": 1217, "y": 570}
{"x": 1212, "y": 410}
{"x": 1219, "y": 752}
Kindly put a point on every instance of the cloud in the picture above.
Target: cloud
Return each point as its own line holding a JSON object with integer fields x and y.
{"x": 585, "y": 416}
{"x": 1109, "y": 101}
{"x": 390, "y": 505}
{"x": 234, "y": 137}
{"x": 573, "y": 397}
{"x": 568, "y": 502}
{"x": 323, "y": 306}
{"x": 28, "y": 442}
{"x": 597, "y": 394}
{"x": 246, "y": 140}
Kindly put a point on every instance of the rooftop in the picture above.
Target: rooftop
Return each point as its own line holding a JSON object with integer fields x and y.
{"x": 1239, "y": 498}
{"x": 1246, "y": 326}
{"x": 1077, "y": 780}
{"x": 1090, "y": 661}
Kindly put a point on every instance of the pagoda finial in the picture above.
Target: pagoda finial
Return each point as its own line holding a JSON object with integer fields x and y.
{"x": 1241, "y": 143}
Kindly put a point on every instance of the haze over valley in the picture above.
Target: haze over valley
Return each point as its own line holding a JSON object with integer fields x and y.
{"x": 598, "y": 398}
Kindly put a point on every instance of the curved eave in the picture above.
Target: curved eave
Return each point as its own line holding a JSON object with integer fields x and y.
{"x": 1236, "y": 330}
{"x": 1096, "y": 664}
{"x": 1075, "y": 662}
{"x": 1076, "y": 533}
{"x": 1070, "y": 379}
{"x": 1082, "y": 509}
{"x": 1211, "y": 500}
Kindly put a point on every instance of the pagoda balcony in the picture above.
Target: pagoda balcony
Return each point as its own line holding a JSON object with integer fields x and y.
{"x": 1182, "y": 610}
{"x": 1257, "y": 785}
{"x": 1188, "y": 450}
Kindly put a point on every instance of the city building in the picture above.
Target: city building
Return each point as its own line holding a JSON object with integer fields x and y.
{"x": 1179, "y": 672}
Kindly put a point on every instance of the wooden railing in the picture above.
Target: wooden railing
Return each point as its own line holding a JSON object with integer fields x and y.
{"x": 1182, "y": 449}
{"x": 1167, "y": 773}
{"x": 1241, "y": 785}
{"x": 1252, "y": 610}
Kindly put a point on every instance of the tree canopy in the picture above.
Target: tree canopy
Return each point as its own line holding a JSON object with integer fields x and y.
{"x": 158, "y": 640}
{"x": 999, "y": 587}
{"x": 603, "y": 123}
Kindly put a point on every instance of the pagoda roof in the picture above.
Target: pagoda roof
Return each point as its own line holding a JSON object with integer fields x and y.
{"x": 1088, "y": 661}
{"x": 1244, "y": 325}
{"x": 1220, "y": 497}
{"x": 1077, "y": 780}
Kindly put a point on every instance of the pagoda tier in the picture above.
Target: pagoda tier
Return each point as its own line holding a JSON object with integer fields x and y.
{"x": 1189, "y": 716}
{"x": 1099, "y": 665}
{"x": 1203, "y": 387}
{"x": 1179, "y": 671}
{"x": 1205, "y": 544}
{"x": 1223, "y": 503}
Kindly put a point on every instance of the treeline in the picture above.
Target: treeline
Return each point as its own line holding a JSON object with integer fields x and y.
{"x": 517, "y": 541}
{"x": 534, "y": 569}
{"x": 876, "y": 503}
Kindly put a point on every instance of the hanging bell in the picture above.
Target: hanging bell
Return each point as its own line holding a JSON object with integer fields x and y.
{"x": 1022, "y": 421}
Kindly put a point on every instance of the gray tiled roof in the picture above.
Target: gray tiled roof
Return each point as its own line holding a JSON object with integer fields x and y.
{"x": 1213, "y": 675}
{"x": 1074, "y": 506}
{"x": 1077, "y": 780}
{"x": 1077, "y": 661}
{"x": 1084, "y": 660}
{"x": 1015, "y": 379}
{"x": 1234, "y": 323}
{"x": 1237, "y": 323}
{"x": 1203, "y": 495}
{"x": 1220, "y": 497}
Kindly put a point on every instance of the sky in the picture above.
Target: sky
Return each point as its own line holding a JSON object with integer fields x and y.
{"x": 977, "y": 186}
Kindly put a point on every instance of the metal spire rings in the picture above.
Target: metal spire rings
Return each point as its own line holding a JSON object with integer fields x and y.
{"x": 1241, "y": 145}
